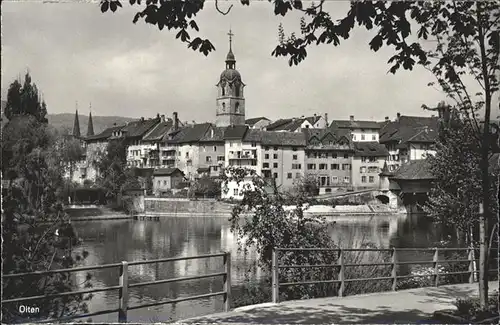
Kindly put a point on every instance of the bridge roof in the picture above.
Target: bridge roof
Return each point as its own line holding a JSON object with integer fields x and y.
{"x": 414, "y": 170}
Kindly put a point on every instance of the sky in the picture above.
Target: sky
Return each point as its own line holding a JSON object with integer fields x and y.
{"x": 79, "y": 57}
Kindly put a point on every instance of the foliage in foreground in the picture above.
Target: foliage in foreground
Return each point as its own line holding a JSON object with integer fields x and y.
{"x": 471, "y": 309}
{"x": 36, "y": 233}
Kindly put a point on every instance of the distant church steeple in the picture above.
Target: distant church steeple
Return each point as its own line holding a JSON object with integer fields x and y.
{"x": 90, "y": 128}
{"x": 76, "y": 125}
{"x": 230, "y": 99}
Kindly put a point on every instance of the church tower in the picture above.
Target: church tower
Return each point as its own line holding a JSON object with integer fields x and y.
{"x": 76, "y": 126}
{"x": 90, "y": 126}
{"x": 230, "y": 100}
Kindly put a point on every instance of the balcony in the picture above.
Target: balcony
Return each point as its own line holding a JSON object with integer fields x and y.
{"x": 242, "y": 155}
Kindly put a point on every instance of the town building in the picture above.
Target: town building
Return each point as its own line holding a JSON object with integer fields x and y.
{"x": 138, "y": 151}
{"x": 328, "y": 156}
{"x": 166, "y": 179}
{"x": 408, "y": 138}
{"x": 258, "y": 122}
{"x": 360, "y": 130}
{"x": 367, "y": 163}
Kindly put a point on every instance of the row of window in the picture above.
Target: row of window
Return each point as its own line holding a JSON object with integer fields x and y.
{"x": 368, "y": 159}
{"x": 332, "y": 166}
{"x": 208, "y": 159}
{"x": 363, "y": 137}
{"x": 325, "y": 180}
{"x": 320, "y": 154}
{"x": 370, "y": 169}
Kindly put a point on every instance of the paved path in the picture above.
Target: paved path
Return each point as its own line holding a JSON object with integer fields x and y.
{"x": 402, "y": 307}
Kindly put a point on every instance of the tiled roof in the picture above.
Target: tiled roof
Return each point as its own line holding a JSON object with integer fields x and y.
{"x": 159, "y": 131}
{"x": 370, "y": 149}
{"x": 139, "y": 128}
{"x": 410, "y": 129}
{"x": 216, "y": 136}
{"x": 166, "y": 171}
{"x": 272, "y": 138}
{"x": 414, "y": 170}
{"x": 289, "y": 124}
{"x": 104, "y": 134}
{"x": 348, "y": 124}
{"x": 234, "y": 132}
{"x": 252, "y": 121}
{"x": 313, "y": 119}
{"x": 321, "y": 133}
{"x": 191, "y": 133}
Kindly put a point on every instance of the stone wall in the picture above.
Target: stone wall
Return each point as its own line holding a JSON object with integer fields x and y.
{"x": 172, "y": 205}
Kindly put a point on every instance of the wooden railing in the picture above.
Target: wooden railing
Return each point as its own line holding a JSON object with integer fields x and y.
{"x": 124, "y": 285}
{"x": 394, "y": 263}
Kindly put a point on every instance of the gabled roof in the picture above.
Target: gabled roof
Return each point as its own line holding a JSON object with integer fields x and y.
{"x": 370, "y": 149}
{"x": 216, "y": 136}
{"x": 289, "y": 124}
{"x": 104, "y": 135}
{"x": 414, "y": 170}
{"x": 191, "y": 133}
{"x": 385, "y": 171}
{"x": 159, "y": 131}
{"x": 410, "y": 129}
{"x": 252, "y": 121}
{"x": 139, "y": 128}
{"x": 167, "y": 171}
{"x": 348, "y": 124}
{"x": 235, "y": 132}
{"x": 272, "y": 138}
{"x": 313, "y": 119}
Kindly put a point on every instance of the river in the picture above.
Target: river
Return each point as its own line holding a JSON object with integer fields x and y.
{"x": 129, "y": 240}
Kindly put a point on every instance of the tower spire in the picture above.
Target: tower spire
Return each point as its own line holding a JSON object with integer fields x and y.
{"x": 90, "y": 126}
{"x": 76, "y": 125}
{"x": 230, "y": 60}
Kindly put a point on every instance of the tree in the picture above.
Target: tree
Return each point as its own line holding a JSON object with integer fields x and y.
{"x": 206, "y": 186}
{"x": 36, "y": 233}
{"x": 25, "y": 100}
{"x": 453, "y": 40}
{"x": 456, "y": 195}
{"x": 306, "y": 185}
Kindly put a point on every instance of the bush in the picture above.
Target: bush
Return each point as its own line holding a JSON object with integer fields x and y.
{"x": 471, "y": 310}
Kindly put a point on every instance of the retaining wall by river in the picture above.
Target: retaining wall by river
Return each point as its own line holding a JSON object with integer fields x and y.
{"x": 172, "y": 205}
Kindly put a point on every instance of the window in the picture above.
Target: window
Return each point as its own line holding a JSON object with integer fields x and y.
{"x": 254, "y": 144}
{"x": 363, "y": 159}
{"x": 275, "y": 165}
{"x": 164, "y": 183}
{"x": 266, "y": 148}
{"x": 363, "y": 179}
{"x": 237, "y": 92}
{"x": 275, "y": 175}
{"x": 289, "y": 175}
{"x": 265, "y": 165}
{"x": 334, "y": 155}
{"x": 294, "y": 149}
{"x": 296, "y": 166}
{"x": 223, "y": 107}
{"x": 354, "y": 137}
{"x": 335, "y": 179}
{"x": 334, "y": 166}
{"x": 371, "y": 179}
{"x": 187, "y": 154}
{"x": 235, "y": 192}
{"x": 266, "y": 156}
{"x": 346, "y": 166}
{"x": 362, "y": 137}
{"x": 311, "y": 166}
{"x": 230, "y": 144}
{"x": 220, "y": 158}
{"x": 189, "y": 163}
{"x": 328, "y": 190}
{"x": 346, "y": 179}
{"x": 374, "y": 137}
{"x": 362, "y": 169}
{"x": 346, "y": 155}
{"x": 297, "y": 175}
{"x": 208, "y": 159}
{"x": 223, "y": 90}
{"x": 179, "y": 154}
{"x": 323, "y": 166}
{"x": 215, "y": 148}
{"x": 237, "y": 106}
{"x": 275, "y": 156}
{"x": 215, "y": 168}
{"x": 330, "y": 143}
{"x": 204, "y": 149}
{"x": 275, "y": 148}
{"x": 294, "y": 157}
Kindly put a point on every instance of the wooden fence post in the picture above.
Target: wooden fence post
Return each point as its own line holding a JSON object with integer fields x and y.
{"x": 471, "y": 265}
{"x": 227, "y": 282}
{"x": 276, "y": 284}
{"x": 436, "y": 266}
{"x": 123, "y": 293}
{"x": 341, "y": 273}
{"x": 394, "y": 270}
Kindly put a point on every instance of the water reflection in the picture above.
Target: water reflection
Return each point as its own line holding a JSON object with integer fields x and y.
{"x": 115, "y": 241}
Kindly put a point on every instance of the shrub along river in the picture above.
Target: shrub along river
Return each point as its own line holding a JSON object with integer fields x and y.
{"x": 114, "y": 241}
